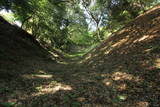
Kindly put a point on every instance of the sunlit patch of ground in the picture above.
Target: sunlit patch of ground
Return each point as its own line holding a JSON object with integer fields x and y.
{"x": 37, "y": 76}
{"x": 126, "y": 76}
{"x": 157, "y": 63}
{"x": 53, "y": 87}
{"x": 128, "y": 63}
{"x": 142, "y": 104}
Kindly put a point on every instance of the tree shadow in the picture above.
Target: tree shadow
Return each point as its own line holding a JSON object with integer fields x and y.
{"x": 122, "y": 72}
{"x": 132, "y": 53}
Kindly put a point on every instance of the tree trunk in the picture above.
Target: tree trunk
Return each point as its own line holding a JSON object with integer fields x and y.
{"x": 25, "y": 20}
{"x": 98, "y": 33}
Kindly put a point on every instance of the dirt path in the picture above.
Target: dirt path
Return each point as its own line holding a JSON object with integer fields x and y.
{"x": 43, "y": 83}
{"x": 123, "y": 72}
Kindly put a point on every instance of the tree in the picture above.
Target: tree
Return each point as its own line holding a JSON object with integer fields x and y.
{"x": 96, "y": 11}
{"x": 60, "y": 23}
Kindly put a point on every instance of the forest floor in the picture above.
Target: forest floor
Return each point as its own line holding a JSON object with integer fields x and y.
{"x": 123, "y": 71}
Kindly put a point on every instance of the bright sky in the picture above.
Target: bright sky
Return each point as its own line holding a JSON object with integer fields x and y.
{"x": 92, "y": 26}
{"x": 8, "y": 15}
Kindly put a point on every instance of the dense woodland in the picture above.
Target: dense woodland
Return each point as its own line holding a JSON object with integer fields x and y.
{"x": 64, "y": 24}
{"x": 79, "y": 53}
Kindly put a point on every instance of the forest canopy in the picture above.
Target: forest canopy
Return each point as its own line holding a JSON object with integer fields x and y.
{"x": 65, "y": 23}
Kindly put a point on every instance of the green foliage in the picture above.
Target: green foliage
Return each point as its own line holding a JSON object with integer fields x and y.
{"x": 62, "y": 24}
{"x": 8, "y": 104}
{"x": 9, "y": 17}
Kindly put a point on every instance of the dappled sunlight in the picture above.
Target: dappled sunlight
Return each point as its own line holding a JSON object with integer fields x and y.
{"x": 157, "y": 63}
{"x": 122, "y": 41}
{"x": 41, "y": 71}
{"x": 106, "y": 46}
{"x": 116, "y": 80}
{"x": 117, "y": 44}
{"x": 122, "y": 97}
{"x": 143, "y": 38}
{"x": 122, "y": 87}
{"x": 95, "y": 55}
{"x": 34, "y": 76}
{"x": 124, "y": 76}
{"x": 143, "y": 104}
{"x": 122, "y": 31}
{"x": 108, "y": 82}
{"x": 91, "y": 62}
{"x": 108, "y": 51}
{"x": 89, "y": 56}
{"x": 53, "y": 87}
{"x": 122, "y": 71}
{"x": 54, "y": 54}
{"x": 43, "y": 76}
{"x": 148, "y": 50}
{"x": 86, "y": 58}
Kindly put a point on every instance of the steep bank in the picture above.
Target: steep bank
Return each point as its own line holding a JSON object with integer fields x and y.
{"x": 130, "y": 60}
{"x": 122, "y": 72}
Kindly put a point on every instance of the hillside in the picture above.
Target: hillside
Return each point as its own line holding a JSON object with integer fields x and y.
{"x": 130, "y": 59}
{"x": 121, "y": 72}
{"x": 16, "y": 42}
{"x": 138, "y": 34}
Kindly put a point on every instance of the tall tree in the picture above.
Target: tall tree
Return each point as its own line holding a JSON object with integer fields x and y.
{"x": 96, "y": 11}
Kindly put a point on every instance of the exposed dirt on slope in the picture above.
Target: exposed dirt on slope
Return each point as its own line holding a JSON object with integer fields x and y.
{"x": 122, "y": 72}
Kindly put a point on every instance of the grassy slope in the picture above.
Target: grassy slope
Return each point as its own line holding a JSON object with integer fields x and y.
{"x": 122, "y": 72}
